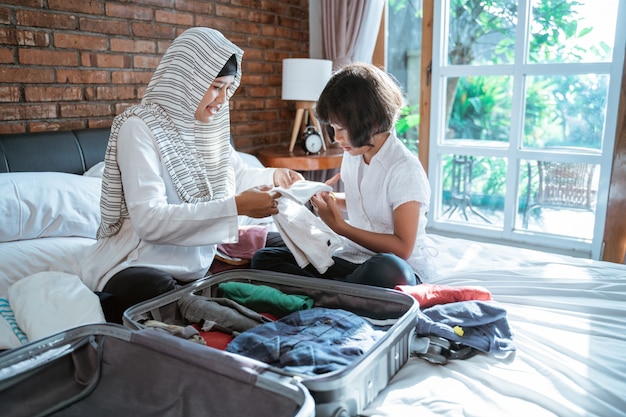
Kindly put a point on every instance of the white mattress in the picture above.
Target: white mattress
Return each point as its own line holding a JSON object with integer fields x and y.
{"x": 567, "y": 315}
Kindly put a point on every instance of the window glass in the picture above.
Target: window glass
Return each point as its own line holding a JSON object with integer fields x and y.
{"x": 473, "y": 189}
{"x": 481, "y": 32}
{"x": 555, "y": 196}
{"x": 572, "y": 31}
{"x": 480, "y": 108}
{"x": 519, "y": 88}
{"x": 404, "y": 42}
{"x": 566, "y": 111}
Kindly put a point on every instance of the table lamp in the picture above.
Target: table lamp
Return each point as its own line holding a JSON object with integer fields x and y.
{"x": 303, "y": 81}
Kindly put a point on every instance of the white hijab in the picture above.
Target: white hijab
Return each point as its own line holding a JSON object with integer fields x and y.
{"x": 196, "y": 154}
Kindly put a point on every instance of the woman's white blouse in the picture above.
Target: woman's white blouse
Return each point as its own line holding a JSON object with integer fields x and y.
{"x": 163, "y": 232}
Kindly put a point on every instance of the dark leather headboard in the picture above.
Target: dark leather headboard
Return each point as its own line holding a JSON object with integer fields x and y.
{"x": 72, "y": 151}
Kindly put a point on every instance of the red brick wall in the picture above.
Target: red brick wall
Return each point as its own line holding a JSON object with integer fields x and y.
{"x": 67, "y": 64}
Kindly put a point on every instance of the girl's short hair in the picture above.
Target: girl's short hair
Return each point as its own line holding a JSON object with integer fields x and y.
{"x": 361, "y": 98}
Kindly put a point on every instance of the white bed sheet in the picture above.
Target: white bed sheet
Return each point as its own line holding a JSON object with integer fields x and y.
{"x": 567, "y": 315}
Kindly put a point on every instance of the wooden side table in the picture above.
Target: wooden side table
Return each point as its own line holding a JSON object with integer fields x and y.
{"x": 298, "y": 160}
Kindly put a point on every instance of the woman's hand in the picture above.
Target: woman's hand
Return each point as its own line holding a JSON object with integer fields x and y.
{"x": 284, "y": 177}
{"x": 257, "y": 202}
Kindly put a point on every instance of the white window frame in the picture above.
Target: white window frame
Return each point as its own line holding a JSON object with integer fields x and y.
{"x": 514, "y": 152}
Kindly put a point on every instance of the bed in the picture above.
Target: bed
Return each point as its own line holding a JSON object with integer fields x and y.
{"x": 566, "y": 313}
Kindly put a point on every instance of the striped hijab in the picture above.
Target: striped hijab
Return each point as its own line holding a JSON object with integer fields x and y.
{"x": 195, "y": 154}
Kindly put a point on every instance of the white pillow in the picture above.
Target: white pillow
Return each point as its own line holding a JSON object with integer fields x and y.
{"x": 46, "y": 303}
{"x": 250, "y": 160}
{"x": 47, "y": 204}
{"x": 23, "y": 258}
{"x": 96, "y": 170}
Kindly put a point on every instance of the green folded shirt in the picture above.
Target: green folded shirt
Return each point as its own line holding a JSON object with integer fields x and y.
{"x": 265, "y": 299}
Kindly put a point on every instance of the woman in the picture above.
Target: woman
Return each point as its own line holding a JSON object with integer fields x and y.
{"x": 173, "y": 187}
{"x": 386, "y": 189}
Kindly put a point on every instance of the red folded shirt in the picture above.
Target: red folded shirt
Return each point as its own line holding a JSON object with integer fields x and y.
{"x": 429, "y": 295}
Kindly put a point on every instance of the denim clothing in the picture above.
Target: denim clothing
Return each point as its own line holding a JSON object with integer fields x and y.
{"x": 309, "y": 342}
{"x": 484, "y": 324}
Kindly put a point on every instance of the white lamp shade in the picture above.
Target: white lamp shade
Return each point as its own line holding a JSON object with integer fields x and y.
{"x": 305, "y": 78}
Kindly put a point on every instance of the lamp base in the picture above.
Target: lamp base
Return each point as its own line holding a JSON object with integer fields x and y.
{"x": 304, "y": 111}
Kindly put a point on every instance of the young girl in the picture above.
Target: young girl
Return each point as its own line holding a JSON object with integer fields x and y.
{"x": 386, "y": 189}
{"x": 173, "y": 187}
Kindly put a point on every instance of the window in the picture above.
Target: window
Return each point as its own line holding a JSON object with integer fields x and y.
{"x": 403, "y": 61}
{"x": 524, "y": 104}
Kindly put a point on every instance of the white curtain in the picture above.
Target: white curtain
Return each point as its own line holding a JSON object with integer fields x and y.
{"x": 350, "y": 29}
{"x": 370, "y": 25}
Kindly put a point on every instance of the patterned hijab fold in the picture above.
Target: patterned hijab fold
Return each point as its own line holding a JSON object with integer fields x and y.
{"x": 195, "y": 154}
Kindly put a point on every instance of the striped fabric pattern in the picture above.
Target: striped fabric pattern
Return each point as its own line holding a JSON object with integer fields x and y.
{"x": 195, "y": 154}
{"x": 9, "y": 316}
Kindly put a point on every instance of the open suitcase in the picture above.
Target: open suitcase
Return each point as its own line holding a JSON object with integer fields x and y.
{"x": 340, "y": 393}
{"x": 111, "y": 370}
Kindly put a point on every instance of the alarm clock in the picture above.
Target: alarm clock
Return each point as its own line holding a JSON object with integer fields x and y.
{"x": 312, "y": 141}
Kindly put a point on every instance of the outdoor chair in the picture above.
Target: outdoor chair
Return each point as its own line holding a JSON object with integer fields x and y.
{"x": 562, "y": 185}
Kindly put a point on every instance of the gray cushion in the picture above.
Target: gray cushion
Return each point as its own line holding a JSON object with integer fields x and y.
{"x": 61, "y": 151}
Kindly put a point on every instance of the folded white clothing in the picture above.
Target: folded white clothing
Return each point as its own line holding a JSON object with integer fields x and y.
{"x": 48, "y": 302}
{"x": 310, "y": 240}
{"x": 299, "y": 256}
{"x": 302, "y": 191}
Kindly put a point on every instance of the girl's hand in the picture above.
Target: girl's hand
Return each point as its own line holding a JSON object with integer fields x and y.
{"x": 284, "y": 177}
{"x": 338, "y": 198}
{"x": 333, "y": 180}
{"x": 325, "y": 204}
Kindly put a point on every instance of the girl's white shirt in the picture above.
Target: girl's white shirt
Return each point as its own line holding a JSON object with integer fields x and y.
{"x": 393, "y": 177}
{"x": 163, "y": 232}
